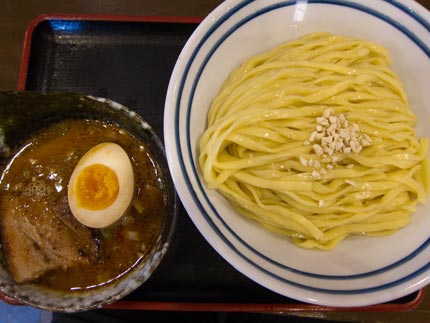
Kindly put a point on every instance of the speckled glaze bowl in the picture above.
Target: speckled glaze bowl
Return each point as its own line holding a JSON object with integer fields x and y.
{"x": 22, "y": 113}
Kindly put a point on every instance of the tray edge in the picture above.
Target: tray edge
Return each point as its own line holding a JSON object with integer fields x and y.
{"x": 28, "y": 36}
{"x": 186, "y": 306}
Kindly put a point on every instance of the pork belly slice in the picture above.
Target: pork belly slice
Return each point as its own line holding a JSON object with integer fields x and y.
{"x": 38, "y": 240}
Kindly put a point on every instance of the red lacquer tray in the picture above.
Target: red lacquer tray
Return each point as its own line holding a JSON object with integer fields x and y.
{"x": 129, "y": 60}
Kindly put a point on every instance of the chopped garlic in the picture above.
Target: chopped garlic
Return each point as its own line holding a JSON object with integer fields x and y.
{"x": 315, "y": 174}
{"x": 337, "y": 135}
{"x": 303, "y": 161}
{"x": 333, "y": 134}
{"x": 333, "y": 119}
{"x": 318, "y": 150}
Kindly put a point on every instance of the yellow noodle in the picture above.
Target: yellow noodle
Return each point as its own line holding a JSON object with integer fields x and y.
{"x": 256, "y": 147}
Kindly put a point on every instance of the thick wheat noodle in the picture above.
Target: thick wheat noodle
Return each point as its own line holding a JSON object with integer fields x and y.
{"x": 267, "y": 109}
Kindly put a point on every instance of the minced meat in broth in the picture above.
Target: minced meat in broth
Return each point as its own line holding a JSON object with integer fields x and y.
{"x": 34, "y": 190}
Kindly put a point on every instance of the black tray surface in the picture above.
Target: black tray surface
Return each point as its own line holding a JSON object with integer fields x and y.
{"x": 131, "y": 63}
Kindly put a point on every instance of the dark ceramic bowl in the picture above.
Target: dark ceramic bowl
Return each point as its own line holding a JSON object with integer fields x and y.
{"x": 22, "y": 113}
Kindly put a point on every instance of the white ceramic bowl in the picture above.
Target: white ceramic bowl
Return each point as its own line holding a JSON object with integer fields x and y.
{"x": 360, "y": 271}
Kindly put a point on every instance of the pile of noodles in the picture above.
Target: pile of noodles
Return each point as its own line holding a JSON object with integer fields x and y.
{"x": 258, "y": 131}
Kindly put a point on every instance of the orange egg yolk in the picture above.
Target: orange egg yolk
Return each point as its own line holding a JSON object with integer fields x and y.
{"x": 96, "y": 187}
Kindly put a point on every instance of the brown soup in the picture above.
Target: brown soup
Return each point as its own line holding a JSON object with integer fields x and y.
{"x": 42, "y": 241}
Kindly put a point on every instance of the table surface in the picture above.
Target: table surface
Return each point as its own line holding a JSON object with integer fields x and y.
{"x": 14, "y": 19}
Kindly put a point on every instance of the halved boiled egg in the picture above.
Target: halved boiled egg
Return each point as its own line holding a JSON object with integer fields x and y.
{"x": 101, "y": 186}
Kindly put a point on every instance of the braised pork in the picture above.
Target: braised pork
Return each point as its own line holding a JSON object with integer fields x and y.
{"x": 38, "y": 241}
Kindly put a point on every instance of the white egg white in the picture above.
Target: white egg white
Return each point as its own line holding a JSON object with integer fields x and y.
{"x": 113, "y": 156}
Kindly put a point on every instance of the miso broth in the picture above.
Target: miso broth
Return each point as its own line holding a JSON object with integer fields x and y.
{"x": 45, "y": 163}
